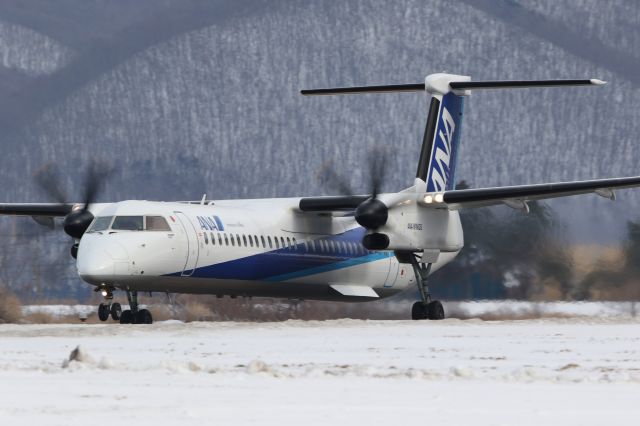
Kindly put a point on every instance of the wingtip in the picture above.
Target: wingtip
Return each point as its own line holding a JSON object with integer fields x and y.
{"x": 598, "y": 82}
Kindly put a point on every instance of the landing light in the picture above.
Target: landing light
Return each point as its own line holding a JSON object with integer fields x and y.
{"x": 439, "y": 198}
{"x": 104, "y": 292}
{"x": 428, "y": 199}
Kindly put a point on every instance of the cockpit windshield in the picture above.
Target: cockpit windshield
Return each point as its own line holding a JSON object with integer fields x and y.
{"x": 128, "y": 223}
{"x": 101, "y": 224}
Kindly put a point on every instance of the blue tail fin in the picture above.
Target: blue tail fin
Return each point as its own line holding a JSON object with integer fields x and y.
{"x": 445, "y": 144}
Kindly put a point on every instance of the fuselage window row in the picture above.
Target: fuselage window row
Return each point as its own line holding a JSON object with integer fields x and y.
{"x": 288, "y": 243}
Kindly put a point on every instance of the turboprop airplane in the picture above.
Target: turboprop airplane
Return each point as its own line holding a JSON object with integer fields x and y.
{"x": 338, "y": 248}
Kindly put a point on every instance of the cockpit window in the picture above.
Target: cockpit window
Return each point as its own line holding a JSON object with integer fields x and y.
{"x": 157, "y": 223}
{"x": 128, "y": 223}
{"x": 101, "y": 223}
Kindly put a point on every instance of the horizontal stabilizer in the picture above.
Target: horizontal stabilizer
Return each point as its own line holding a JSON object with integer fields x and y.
{"x": 391, "y": 88}
{"x": 354, "y": 290}
{"x": 457, "y": 86}
{"x": 521, "y": 84}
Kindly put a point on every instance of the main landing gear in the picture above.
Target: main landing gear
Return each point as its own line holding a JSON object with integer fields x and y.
{"x": 427, "y": 308}
{"x": 133, "y": 315}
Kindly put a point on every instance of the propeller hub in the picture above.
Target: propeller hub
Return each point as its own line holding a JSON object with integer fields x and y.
{"x": 77, "y": 222}
{"x": 372, "y": 213}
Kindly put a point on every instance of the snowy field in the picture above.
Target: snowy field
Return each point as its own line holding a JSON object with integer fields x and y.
{"x": 491, "y": 309}
{"x": 550, "y": 371}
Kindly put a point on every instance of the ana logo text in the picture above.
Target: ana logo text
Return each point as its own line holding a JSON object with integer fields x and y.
{"x": 210, "y": 223}
{"x": 442, "y": 152}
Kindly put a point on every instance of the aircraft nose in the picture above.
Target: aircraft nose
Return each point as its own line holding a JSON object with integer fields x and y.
{"x": 97, "y": 260}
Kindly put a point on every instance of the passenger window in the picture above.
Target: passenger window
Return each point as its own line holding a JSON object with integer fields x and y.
{"x": 244, "y": 240}
{"x": 262, "y": 240}
{"x": 156, "y": 223}
{"x": 312, "y": 245}
{"x": 206, "y": 238}
{"x": 275, "y": 239}
{"x": 220, "y": 239}
{"x": 269, "y": 240}
{"x": 250, "y": 241}
{"x": 295, "y": 245}
{"x": 233, "y": 241}
{"x": 213, "y": 239}
{"x": 282, "y": 242}
{"x": 289, "y": 243}
{"x": 128, "y": 223}
{"x": 226, "y": 240}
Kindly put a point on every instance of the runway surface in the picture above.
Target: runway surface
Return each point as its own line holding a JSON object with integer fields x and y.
{"x": 552, "y": 371}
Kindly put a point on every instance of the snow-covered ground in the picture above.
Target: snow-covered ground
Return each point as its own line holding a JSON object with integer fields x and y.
{"x": 561, "y": 371}
{"x": 512, "y": 309}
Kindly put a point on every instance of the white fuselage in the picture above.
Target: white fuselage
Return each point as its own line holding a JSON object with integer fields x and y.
{"x": 262, "y": 247}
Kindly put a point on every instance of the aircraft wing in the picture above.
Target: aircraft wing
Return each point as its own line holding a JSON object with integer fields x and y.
{"x": 35, "y": 209}
{"x": 517, "y": 196}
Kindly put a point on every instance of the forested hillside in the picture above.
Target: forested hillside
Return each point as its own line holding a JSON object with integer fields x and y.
{"x": 185, "y": 98}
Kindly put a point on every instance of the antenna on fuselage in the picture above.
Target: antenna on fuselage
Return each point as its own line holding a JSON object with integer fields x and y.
{"x": 204, "y": 198}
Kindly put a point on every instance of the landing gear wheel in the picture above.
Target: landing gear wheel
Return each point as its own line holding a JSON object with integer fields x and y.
{"x": 103, "y": 312}
{"x": 116, "y": 311}
{"x": 144, "y": 317}
{"x": 419, "y": 311}
{"x": 435, "y": 310}
{"x": 126, "y": 317}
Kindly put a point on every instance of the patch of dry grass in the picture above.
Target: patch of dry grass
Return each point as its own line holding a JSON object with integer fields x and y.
{"x": 10, "y": 307}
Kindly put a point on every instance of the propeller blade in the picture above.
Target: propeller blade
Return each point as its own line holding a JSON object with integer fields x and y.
{"x": 48, "y": 179}
{"x": 332, "y": 180}
{"x": 97, "y": 173}
{"x": 377, "y": 170}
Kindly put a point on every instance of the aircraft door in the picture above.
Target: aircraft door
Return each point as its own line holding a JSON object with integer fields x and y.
{"x": 393, "y": 272}
{"x": 193, "y": 250}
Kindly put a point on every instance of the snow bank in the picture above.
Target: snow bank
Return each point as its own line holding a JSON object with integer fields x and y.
{"x": 513, "y": 309}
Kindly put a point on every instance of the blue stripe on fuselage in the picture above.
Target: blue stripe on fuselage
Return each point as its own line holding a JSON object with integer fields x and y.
{"x": 290, "y": 263}
{"x": 333, "y": 266}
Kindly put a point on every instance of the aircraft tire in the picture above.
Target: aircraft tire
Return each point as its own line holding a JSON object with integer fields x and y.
{"x": 419, "y": 311}
{"x": 116, "y": 311}
{"x": 144, "y": 317}
{"x": 435, "y": 310}
{"x": 103, "y": 312}
{"x": 126, "y": 317}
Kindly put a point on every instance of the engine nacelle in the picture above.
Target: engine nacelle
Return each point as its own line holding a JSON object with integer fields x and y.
{"x": 413, "y": 227}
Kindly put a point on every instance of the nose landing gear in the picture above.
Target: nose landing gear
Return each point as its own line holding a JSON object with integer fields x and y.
{"x": 133, "y": 315}
{"x": 427, "y": 308}
{"x": 107, "y": 308}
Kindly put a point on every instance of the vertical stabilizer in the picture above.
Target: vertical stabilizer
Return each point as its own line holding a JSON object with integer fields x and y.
{"x": 441, "y": 141}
